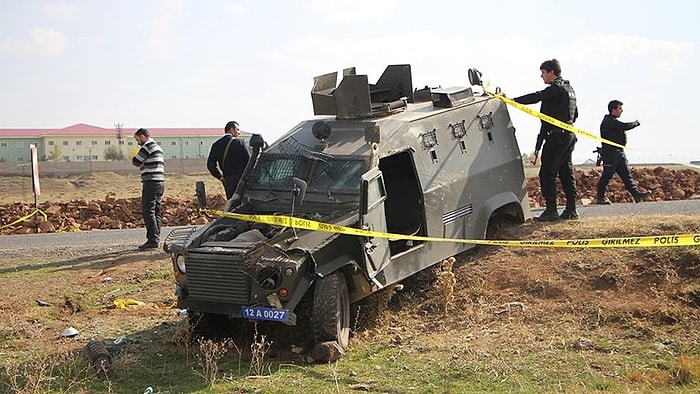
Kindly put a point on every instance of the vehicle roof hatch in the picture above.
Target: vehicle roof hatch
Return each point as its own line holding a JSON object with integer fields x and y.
{"x": 356, "y": 98}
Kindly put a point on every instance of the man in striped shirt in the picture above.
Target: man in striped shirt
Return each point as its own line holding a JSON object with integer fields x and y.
{"x": 150, "y": 160}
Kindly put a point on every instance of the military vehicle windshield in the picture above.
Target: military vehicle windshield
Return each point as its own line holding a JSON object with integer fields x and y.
{"x": 277, "y": 170}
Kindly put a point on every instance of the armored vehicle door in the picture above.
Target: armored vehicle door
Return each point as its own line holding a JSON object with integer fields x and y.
{"x": 372, "y": 217}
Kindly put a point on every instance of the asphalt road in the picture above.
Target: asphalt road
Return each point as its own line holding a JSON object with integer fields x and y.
{"x": 682, "y": 207}
{"x": 125, "y": 239}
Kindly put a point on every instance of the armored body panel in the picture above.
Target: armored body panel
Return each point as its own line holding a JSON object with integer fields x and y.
{"x": 383, "y": 157}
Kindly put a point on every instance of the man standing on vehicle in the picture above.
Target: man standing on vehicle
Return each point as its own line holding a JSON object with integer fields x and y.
{"x": 558, "y": 101}
{"x": 614, "y": 159}
{"x": 228, "y": 157}
{"x": 150, "y": 160}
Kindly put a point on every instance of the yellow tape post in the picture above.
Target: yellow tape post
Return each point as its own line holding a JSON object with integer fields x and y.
{"x": 623, "y": 242}
{"x": 551, "y": 120}
{"x": 23, "y": 218}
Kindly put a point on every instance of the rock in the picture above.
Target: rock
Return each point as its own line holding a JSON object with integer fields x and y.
{"x": 583, "y": 344}
{"x": 47, "y": 227}
{"x": 52, "y": 209}
{"x": 677, "y": 194}
{"x": 327, "y": 352}
{"x": 200, "y": 220}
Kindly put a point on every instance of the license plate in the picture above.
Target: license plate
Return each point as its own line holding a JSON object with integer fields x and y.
{"x": 260, "y": 313}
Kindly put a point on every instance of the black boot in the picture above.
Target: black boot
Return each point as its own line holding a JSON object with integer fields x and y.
{"x": 641, "y": 196}
{"x": 602, "y": 200}
{"x": 569, "y": 212}
{"x": 549, "y": 215}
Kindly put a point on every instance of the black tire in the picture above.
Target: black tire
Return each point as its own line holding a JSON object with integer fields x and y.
{"x": 330, "y": 316}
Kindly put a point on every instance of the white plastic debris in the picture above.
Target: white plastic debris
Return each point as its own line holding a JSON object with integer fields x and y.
{"x": 70, "y": 332}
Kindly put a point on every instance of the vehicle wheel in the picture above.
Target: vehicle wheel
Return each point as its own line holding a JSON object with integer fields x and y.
{"x": 331, "y": 310}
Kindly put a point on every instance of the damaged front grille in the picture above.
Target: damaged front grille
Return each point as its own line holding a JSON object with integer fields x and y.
{"x": 219, "y": 278}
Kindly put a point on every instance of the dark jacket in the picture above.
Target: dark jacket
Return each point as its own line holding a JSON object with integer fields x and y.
{"x": 558, "y": 101}
{"x": 235, "y": 161}
{"x": 613, "y": 130}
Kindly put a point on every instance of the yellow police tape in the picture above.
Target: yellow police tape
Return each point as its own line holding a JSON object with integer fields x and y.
{"x": 623, "y": 242}
{"x": 553, "y": 121}
{"x": 23, "y": 218}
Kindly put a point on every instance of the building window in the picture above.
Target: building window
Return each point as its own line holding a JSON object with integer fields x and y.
{"x": 187, "y": 142}
{"x": 78, "y": 143}
{"x": 93, "y": 142}
{"x": 121, "y": 142}
{"x": 3, "y": 144}
{"x": 173, "y": 143}
{"x": 173, "y": 157}
{"x": 50, "y": 143}
{"x": 94, "y": 157}
{"x": 108, "y": 142}
{"x": 66, "y": 158}
{"x": 20, "y": 159}
{"x": 80, "y": 157}
{"x": 130, "y": 143}
{"x": 65, "y": 143}
{"x": 19, "y": 145}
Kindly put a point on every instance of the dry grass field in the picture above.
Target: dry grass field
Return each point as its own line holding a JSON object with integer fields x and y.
{"x": 515, "y": 319}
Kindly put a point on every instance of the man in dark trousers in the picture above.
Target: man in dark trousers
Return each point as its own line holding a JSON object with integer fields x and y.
{"x": 150, "y": 160}
{"x": 228, "y": 157}
{"x": 558, "y": 101}
{"x": 614, "y": 159}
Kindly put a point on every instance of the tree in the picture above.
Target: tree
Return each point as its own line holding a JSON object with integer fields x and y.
{"x": 56, "y": 153}
{"x": 112, "y": 153}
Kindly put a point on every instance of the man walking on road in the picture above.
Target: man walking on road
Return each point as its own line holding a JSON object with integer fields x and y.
{"x": 228, "y": 157}
{"x": 150, "y": 160}
{"x": 614, "y": 159}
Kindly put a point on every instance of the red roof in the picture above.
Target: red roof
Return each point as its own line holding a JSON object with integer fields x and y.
{"x": 82, "y": 129}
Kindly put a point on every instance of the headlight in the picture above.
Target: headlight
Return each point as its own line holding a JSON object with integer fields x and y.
{"x": 180, "y": 262}
{"x": 269, "y": 278}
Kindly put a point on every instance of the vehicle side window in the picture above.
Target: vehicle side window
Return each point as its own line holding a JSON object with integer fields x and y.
{"x": 374, "y": 190}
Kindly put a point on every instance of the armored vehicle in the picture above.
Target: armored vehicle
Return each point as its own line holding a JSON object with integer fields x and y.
{"x": 432, "y": 162}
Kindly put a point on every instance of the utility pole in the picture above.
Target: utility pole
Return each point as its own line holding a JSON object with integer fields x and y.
{"x": 90, "y": 159}
{"x": 182, "y": 158}
{"x": 120, "y": 137}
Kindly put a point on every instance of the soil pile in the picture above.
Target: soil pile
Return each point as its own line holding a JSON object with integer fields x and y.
{"x": 664, "y": 185}
{"x": 113, "y": 212}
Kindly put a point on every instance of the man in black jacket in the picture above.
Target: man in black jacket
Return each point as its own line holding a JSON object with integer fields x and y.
{"x": 558, "y": 101}
{"x": 614, "y": 159}
{"x": 228, "y": 157}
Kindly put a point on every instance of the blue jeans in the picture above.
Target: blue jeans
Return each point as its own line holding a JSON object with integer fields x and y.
{"x": 151, "y": 195}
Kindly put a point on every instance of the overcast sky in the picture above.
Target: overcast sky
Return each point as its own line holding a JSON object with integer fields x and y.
{"x": 175, "y": 63}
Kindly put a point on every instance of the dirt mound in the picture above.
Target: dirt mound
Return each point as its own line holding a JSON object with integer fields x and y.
{"x": 118, "y": 213}
{"x": 664, "y": 185}
{"x": 110, "y": 213}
